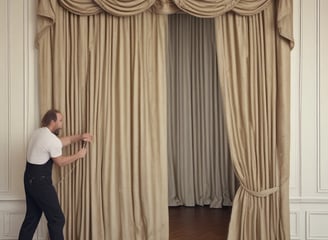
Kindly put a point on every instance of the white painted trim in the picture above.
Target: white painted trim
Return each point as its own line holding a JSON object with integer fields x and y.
{"x": 308, "y": 200}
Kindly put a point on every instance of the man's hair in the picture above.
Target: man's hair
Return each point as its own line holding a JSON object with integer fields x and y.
{"x": 50, "y": 115}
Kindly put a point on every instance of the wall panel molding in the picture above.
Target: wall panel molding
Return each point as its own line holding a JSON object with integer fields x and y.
{"x": 313, "y": 99}
{"x": 295, "y": 226}
{"x": 4, "y": 95}
{"x": 18, "y": 92}
{"x": 19, "y": 107}
{"x": 316, "y": 225}
{"x": 10, "y": 223}
{"x": 295, "y": 155}
{"x": 308, "y": 200}
{"x": 322, "y": 92}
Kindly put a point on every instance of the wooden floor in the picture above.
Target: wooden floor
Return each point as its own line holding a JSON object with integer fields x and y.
{"x": 199, "y": 223}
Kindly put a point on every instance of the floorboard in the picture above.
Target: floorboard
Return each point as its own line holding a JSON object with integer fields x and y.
{"x": 199, "y": 223}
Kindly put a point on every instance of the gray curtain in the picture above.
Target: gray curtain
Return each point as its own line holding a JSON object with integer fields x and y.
{"x": 200, "y": 171}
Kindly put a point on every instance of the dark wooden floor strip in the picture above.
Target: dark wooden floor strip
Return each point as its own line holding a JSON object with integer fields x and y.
{"x": 199, "y": 223}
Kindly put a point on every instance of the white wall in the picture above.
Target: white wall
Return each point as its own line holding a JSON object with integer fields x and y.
{"x": 309, "y": 116}
{"x": 18, "y": 104}
{"x": 309, "y": 153}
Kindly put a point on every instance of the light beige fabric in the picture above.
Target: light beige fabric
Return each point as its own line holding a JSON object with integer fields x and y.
{"x": 117, "y": 7}
{"x": 208, "y": 8}
{"x": 81, "y": 7}
{"x": 199, "y": 165}
{"x": 254, "y": 74}
{"x": 123, "y": 195}
{"x": 212, "y": 8}
{"x": 120, "y": 7}
{"x": 107, "y": 75}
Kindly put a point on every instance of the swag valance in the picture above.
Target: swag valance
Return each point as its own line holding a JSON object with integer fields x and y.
{"x": 205, "y": 9}
{"x": 208, "y": 8}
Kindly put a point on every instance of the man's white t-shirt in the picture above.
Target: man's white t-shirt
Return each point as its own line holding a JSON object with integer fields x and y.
{"x": 43, "y": 145}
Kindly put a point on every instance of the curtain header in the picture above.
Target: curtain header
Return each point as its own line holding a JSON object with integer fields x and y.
{"x": 205, "y": 8}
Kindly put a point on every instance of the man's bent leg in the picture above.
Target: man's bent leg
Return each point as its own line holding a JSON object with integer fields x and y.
{"x": 53, "y": 212}
{"x": 32, "y": 218}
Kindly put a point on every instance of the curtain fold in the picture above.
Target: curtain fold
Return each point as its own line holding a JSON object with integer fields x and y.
{"x": 84, "y": 70}
{"x": 254, "y": 74}
{"x": 205, "y": 9}
{"x": 108, "y": 77}
{"x": 284, "y": 20}
{"x": 123, "y": 7}
{"x": 210, "y": 8}
{"x": 81, "y": 7}
{"x": 200, "y": 169}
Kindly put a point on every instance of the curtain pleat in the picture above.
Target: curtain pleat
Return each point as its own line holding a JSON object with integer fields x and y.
{"x": 255, "y": 89}
{"x": 210, "y": 8}
{"x": 200, "y": 169}
{"x": 125, "y": 8}
{"x": 204, "y": 9}
{"x": 119, "y": 190}
{"x": 81, "y": 7}
{"x": 285, "y": 21}
{"x": 107, "y": 75}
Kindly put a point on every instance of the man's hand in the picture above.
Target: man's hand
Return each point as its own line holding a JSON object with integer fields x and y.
{"x": 82, "y": 153}
{"x": 87, "y": 137}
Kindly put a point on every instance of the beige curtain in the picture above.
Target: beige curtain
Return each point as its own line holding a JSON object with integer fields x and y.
{"x": 107, "y": 76}
{"x": 254, "y": 74}
{"x": 199, "y": 166}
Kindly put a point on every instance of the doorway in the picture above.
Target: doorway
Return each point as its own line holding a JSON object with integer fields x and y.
{"x": 200, "y": 170}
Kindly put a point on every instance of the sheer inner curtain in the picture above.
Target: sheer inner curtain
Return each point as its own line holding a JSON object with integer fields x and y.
{"x": 200, "y": 170}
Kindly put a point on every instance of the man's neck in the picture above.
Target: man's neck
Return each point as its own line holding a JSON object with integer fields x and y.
{"x": 53, "y": 130}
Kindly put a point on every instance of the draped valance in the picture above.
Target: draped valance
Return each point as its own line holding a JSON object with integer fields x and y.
{"x": 206, "y": 8}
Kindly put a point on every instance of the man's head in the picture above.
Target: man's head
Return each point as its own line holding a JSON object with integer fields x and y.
{"x": 53, "y": 119}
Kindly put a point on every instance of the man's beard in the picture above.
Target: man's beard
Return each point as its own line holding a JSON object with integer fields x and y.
{"x": 56, "y": 132}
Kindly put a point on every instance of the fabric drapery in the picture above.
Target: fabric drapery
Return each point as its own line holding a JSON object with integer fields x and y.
{"x": 256, "y": 91}
{"x": 91, "y": 61}
{"x": 111, "y": 83}
{"x": 199, "y": 164}
{"x": 208, "y": 8}
{"x": 283, "y": 17}
{"x": 119, "y": 8}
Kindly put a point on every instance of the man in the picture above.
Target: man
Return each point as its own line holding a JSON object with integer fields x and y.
{"x": 44, "y": 148}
